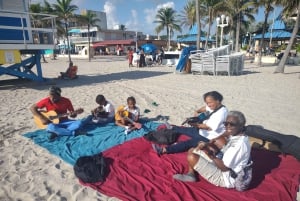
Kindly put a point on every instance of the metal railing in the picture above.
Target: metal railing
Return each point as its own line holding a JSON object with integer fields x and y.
{"x": 36, "y": 28}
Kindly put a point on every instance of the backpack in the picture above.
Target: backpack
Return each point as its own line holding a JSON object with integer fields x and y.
{"x": 91, "y": 169}
{"x": 243, "y": 178}
{"x": 162, "y": 136}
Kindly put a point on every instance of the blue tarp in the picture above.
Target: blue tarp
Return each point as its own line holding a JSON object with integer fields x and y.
{"x": 98, "y": 139}
{"x": 185, "y": 53}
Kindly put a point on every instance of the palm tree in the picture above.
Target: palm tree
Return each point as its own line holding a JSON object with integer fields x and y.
{"x": 289, "y": 8}
{"x": 237, "y": 10}
{"x": 166, "y": 18}
{"x": 211, "y": 8}
{"x": 188, "y": 14}
{"x": 64, "y": 10}
{"x": 198, "y": 24}
{"x": 268, "y": 5}
{"x": 90, "y": 19}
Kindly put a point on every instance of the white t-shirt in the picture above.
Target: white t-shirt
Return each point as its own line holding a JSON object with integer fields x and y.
{"x": 236, "y": 154}
{"x": 110, "y": 109}
{"x": 215, "y": 122}
{"x": 134, "y": 113}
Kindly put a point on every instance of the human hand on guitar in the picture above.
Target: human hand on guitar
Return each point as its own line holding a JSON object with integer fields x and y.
{"x": 44, "y": 120}
{"x": 74, "y": 113}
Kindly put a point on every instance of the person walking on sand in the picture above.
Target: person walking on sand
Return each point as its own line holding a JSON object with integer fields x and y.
{"x": 130, "y": 56}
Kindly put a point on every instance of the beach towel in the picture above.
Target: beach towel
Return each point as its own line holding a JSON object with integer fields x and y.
{"x": 98, "y": 139}
{"x": 138, "y": 173}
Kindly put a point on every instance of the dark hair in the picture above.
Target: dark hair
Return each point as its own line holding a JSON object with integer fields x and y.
{"x": 100, "y": 98}
{"x": 131, "y": 98}
{"x": 54, "y": 90}
{"x": 214, "y": 94}
{"x": 239, "y": 115}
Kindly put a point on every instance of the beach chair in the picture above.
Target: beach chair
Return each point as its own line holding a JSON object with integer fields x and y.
{"x": 223, "y": 65}
{"x": 196, "y": 63}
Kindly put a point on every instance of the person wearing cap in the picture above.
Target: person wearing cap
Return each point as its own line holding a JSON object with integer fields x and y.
{"x": 61, "y": 105}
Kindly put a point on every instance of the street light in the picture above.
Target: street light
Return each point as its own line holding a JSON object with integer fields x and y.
{"x": 222, "y": 22}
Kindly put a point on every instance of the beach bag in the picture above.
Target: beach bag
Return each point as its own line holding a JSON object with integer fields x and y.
{"x": 243, "y": 178}
{"x": 288, "y": 144}
{"x": 162, "y": 136}
{"x": 91, "y": 169}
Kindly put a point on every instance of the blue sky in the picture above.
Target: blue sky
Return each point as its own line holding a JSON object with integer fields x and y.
{"x": 136, "y": 15}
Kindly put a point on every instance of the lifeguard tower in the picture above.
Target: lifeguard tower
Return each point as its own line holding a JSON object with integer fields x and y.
{"x": 24, "y": 36}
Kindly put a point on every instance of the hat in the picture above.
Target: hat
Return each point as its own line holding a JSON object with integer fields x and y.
{"x": 55, "y": 90}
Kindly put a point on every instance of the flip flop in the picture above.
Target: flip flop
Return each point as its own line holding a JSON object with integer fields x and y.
{"x": 154, "y": 104}
{"x": 147, "y": 111}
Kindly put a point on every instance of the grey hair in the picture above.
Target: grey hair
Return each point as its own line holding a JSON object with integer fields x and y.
{"x": 240, "y": 117}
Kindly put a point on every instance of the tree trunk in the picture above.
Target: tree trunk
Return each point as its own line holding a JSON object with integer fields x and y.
{"x": 68, "y": 44}
{"x": 198, "y": 25}
{"x": 209, "y": 25}
{"x": 237, "y": 36}
{"x": 263, "y": 37}
{"x": 281, "y": 65}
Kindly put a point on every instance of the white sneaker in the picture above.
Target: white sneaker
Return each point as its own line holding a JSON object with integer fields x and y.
{"x": 127, "y": 130}
{"x": 168, "y": 126}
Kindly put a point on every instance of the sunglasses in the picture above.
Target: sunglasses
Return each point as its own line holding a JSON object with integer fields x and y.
{"x": 227, "y": 123}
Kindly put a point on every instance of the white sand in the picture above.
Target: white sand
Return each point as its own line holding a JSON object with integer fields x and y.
{"x": 29, "y": 172}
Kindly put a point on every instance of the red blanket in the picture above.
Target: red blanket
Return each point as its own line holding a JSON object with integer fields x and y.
{"x": 138, "y": 173}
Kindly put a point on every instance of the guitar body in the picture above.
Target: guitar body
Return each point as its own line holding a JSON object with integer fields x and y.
{"x": 51, "y": 115}
{"x": 215, "y": 145}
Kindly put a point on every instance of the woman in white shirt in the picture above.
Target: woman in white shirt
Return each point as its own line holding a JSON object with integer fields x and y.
{"x": 210, "y": 128}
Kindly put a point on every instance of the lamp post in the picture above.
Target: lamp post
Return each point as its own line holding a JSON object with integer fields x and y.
{"x": 222, "y": 22}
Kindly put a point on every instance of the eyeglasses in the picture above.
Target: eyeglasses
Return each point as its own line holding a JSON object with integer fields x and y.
{"x": 227, "y": 123}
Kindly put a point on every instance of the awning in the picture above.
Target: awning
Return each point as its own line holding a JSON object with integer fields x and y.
{"x": 276, "y": 34}
{"x": 113, "y": 42}
{"x": 193, "y": 38}
{"x": 74, "y": 31}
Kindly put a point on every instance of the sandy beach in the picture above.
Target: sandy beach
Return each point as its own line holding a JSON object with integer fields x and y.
{"x": 29, "y": 172}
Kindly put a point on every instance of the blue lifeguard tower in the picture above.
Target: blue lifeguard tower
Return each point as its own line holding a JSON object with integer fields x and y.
{"x": 24, "y": 36}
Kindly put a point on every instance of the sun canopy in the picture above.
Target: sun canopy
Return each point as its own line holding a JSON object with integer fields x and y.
{"x": 149, "y": 47}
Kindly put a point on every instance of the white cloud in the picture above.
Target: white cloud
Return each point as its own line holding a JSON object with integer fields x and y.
{"x": 133, "y": 22}
{"x": 151, "y": 13}
{"x": 110, "y": 11}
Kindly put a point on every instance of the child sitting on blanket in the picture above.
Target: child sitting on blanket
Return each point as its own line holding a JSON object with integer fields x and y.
{"x": 104, "y": 113}
{"x": 128, "y": 116}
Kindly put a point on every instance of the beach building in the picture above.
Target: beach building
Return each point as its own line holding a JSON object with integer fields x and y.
{"x": 24, "y": 33}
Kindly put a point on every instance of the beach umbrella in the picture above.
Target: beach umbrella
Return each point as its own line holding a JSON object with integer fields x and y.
{"x": 148, "y": 47}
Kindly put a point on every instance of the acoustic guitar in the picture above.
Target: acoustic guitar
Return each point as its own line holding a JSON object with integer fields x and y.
{"x": 213, "y": 148}
{"x": 53, "y": 117}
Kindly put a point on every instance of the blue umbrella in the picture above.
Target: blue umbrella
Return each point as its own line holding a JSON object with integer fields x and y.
{"x": 148, "y": 47}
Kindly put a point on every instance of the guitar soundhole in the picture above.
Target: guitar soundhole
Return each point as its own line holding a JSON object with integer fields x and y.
{"x": 52, "y": 117}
